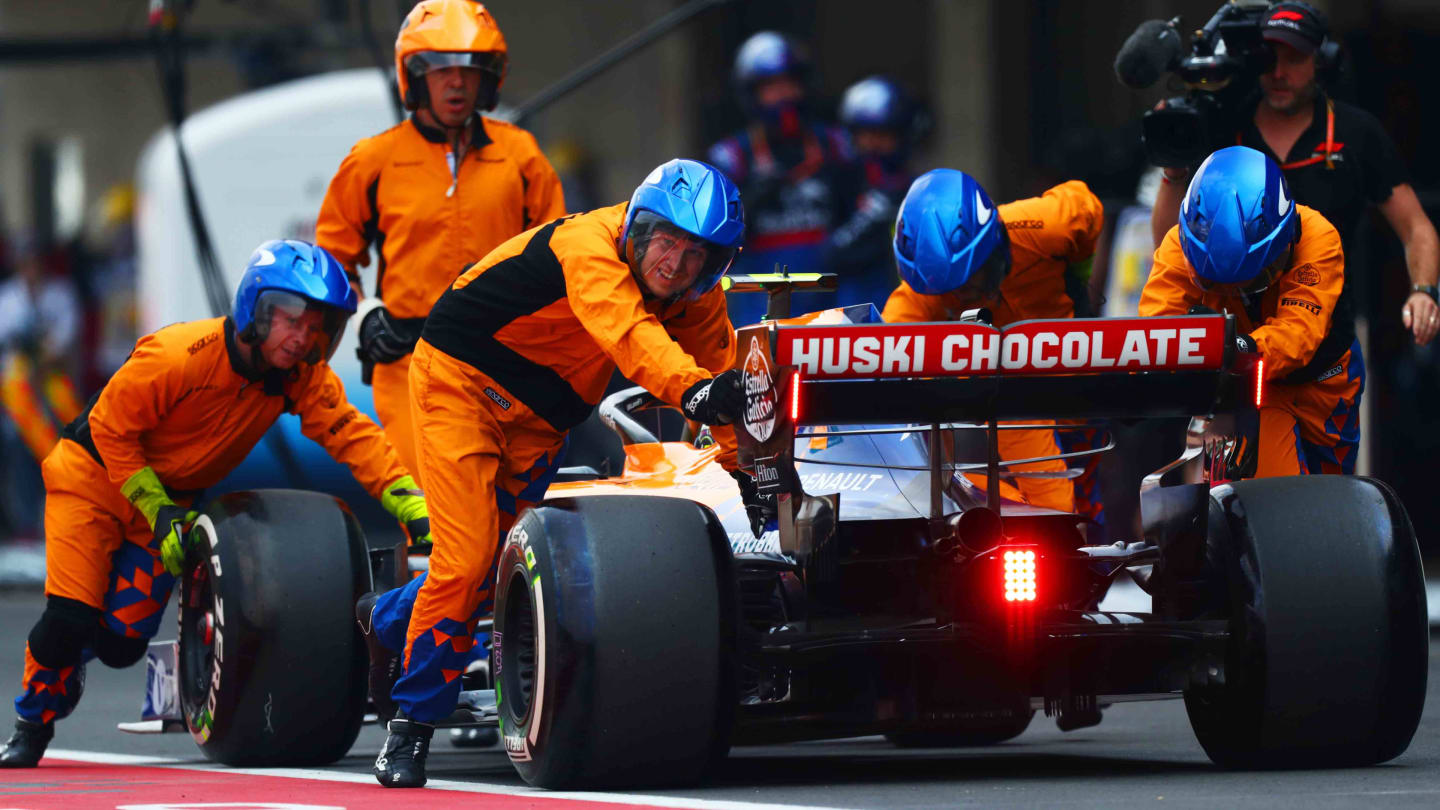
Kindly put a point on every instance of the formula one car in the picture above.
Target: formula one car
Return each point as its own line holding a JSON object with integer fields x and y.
{"x": 641, "y": 629}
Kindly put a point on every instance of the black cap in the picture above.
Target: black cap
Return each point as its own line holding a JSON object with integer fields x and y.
{"x": 1297, "y": 24}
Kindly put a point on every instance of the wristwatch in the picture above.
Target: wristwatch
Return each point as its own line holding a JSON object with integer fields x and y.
{"x": 1429, "y": 289}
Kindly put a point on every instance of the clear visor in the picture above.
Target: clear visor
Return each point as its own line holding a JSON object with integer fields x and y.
{"x": 673, "y": 262}
{"x": 984, "y": 284}
{"x": 294, "y": 320}
{"x": 1254, "y": 286}
{"x": 419, "y": 64}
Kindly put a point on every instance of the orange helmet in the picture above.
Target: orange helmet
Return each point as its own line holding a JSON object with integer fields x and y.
{"x": 448, "y": 33}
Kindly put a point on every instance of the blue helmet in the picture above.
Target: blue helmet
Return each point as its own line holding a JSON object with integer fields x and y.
{"x": 1237, "y": 220}
{"x": 877, "y": 102}
{"x": 768, "y": 54}
{"x": 293, "y": 276}
{"x": 948, "y": 235}
{"x": 694, "y": 201}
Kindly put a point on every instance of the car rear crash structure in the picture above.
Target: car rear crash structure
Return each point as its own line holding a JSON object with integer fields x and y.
{"x": 641, "y": 630}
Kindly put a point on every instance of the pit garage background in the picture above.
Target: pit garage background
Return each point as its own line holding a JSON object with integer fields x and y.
{"x": 1021, "y": 94}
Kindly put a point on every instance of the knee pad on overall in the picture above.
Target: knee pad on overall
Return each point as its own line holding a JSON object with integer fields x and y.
{"x": 117, "y": 651}
{"x": 65, "y": 629}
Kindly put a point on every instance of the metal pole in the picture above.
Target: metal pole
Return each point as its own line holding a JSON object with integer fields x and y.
{"x": 604, "y": 61}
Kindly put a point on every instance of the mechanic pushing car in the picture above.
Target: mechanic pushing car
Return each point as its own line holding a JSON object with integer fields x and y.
{"x": 515, "y": 354}
{"x": 1244, "y": 246}
{"x": 176, "y": 418}
{"x": 795, "y": 171}
{"x": 432, "y": 194}
{"x": 1026, "y": 259}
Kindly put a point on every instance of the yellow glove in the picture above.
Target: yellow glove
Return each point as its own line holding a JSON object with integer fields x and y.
{"x": 403, "y": 499}
{"x": 167, "y": 520}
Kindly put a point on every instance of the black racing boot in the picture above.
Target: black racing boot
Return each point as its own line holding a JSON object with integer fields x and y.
{"x": 385, "y": 664}
{"x": 401, "y": 763}
{"x": 27, "y": 744}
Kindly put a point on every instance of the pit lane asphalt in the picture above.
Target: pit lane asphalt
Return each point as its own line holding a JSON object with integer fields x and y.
{"x": 1142, "y": 755}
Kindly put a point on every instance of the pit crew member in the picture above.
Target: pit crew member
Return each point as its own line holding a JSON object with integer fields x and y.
{"x": 515, "y": 354}
{"x": 883, "y": 123}
{"x": 185, "y": 409}
{"x": 1027, "y": 259}
{"x": 1244, "y": 246}
{"x": 794, "y": 171}
{"x": 432, "y": 194}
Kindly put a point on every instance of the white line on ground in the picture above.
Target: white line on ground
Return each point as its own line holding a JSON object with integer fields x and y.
{"x": 105, "y": 758}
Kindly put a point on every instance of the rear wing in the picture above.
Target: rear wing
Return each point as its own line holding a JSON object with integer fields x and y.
{"x": 902, "y": 373}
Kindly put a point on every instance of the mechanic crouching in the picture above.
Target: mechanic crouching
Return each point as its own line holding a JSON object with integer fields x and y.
{"x": 1245, "y": 247}
{"x": 516, "y": 353}
{"x": 1026, "y": 259}
{"x": 180, "y": 414}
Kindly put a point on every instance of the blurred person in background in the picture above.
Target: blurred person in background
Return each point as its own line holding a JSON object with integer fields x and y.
{"x": 884, "y": 125}
{"x": 958, "y": 251}
{"x": 794, "y": 171}
{"x": 1337, "y": 159}
{"x": 113, "y": 277}
{"x": 39, "y": 333}
{"x": 1244, "y": 246}
{"x": 183, "y": 411}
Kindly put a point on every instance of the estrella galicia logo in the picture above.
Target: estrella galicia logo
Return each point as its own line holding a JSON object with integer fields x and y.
{"x": 499, "y": 400}
{"x": 759, "y": 393}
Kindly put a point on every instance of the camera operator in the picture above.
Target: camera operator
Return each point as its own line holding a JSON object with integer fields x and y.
{"x": 1335, "y": 157}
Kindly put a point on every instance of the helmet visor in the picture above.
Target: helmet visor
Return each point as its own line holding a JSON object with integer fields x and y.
{"x": 671, "y": 262}
{"x": 297, "y": 326}
{"x": 422, "y": 62}
{"x": 1255, "y": 286}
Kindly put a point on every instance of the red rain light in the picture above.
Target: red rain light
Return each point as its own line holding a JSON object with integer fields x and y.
{"x": 1260, "y": 383}
{"x": 795, "y": 397}
{"x": 1020, "y": 576}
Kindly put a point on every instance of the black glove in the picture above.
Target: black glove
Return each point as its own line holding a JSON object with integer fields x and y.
{"x": 760, "y": 508}
{"x": 1247, "y": 344}
{"x": 1201, "y": 309}
{"x": 380, "y": 342}
{"x": 716, "y": 401}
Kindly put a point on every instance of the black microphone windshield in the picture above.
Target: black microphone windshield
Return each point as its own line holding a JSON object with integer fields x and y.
{"x": 1147, "y": 54}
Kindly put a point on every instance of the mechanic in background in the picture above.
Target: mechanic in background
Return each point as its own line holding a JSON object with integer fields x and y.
{"x": 1338, "y": 160}
{"x": 795, "y": 172}
{"x": 178, "y": 416}
{"x": 39, "y": 333}
{"x": 517, "y": 353}
{"x": 1244, "y": 246}
{"x": 884, "y": 125}
{"x": 1022, "y": 260}
{"x": 432, "y": 194}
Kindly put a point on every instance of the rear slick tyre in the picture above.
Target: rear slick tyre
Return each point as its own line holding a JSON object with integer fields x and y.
{"x": 272, "y": 665}
{"x": 613, "y": 645}
{"x": 1329, "y": 636}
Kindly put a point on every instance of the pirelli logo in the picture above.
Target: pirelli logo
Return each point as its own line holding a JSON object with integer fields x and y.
{"x": 1310, "y": 306}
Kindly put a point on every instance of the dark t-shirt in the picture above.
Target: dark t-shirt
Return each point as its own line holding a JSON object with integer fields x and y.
{"x": 1364, "y": 167}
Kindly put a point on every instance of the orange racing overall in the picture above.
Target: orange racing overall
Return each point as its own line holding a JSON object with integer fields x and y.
{"x": 1310, "y": 416}
{"x": 514, "y": 355}
{"x": 1048, "y": 235}
{"x": 187, "y": 405}
{"x": 428, "y": 219}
